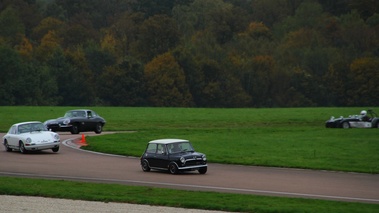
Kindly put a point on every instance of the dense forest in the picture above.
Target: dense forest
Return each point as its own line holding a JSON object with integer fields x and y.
{"x": 189, "y": 53}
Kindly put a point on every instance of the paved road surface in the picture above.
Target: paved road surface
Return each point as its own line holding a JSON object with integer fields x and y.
{"x": 71, "y": 163}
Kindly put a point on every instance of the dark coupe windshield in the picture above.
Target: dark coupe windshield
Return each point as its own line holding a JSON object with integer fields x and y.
{"x": 72, "y": 114}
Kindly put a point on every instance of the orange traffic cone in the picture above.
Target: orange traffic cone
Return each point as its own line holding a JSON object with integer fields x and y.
{"x": 83, "y": 140}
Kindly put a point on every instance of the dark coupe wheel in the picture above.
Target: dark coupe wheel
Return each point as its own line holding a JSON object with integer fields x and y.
{"x": 172, "y": 168}
{"x": 145, "y": 166}
{"x": 203, "y": 170}
{"x": 22, "y": 148}
{"x": 99, "y": 128}
{"x": 7, "y": 146}
{"x": 345, "y": 125}
{"x": 75, "y": 129}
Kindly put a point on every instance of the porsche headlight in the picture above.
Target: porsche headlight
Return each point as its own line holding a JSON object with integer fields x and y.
{"x": 66, "y": 121}
{"x": 183, "y": 160}
{"x": 28, "y": 140}
{"x": 204, "y": 157}
{"x": 56, "y": 137}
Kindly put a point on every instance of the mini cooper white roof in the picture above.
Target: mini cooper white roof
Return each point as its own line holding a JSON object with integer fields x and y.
{"x": 168, "y": 141}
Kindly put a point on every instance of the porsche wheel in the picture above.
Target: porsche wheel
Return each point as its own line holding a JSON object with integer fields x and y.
{"x": 7, "y": 146}
{"x": 345, "y": 125}
{"x": 99, "y": 128}
{"x": 22, "y": 148}
{"x": 145, "y": 166}
{"x": 172, "y": 168}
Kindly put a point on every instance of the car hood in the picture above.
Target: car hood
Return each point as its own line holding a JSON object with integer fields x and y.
{"x": 57, "y": 120}
{"x": 40, "y": 136}
{"x": 188, "y": 155}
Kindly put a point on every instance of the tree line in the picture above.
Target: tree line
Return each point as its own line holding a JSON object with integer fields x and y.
{"x": 189, "y": 53}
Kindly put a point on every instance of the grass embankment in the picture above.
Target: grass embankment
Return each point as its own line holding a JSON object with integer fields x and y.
{"x": 293, "y": 137}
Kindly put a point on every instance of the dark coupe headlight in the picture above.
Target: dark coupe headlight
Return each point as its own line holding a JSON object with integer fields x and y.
{"x": 66, "y": 121}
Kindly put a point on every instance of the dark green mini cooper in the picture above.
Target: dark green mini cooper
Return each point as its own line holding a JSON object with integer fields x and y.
{"x": 173, "y": 155}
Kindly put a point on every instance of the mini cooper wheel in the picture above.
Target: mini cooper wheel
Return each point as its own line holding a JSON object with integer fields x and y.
{"x": 345, "y": 125}
{"x": 22, "y": 148}
{"x": 172, "y": 168}
{"x": 145, "y": 166}
{"x": 203, "y": 170}
{"x": 98, "y": 128}
{"x": 7, "y": 146}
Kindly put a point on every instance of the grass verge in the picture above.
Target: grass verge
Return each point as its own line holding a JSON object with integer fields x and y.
{"x": 174, "y": 198}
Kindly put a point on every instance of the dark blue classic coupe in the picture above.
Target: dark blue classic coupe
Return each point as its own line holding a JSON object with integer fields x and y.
{"x": 76, "y": 121}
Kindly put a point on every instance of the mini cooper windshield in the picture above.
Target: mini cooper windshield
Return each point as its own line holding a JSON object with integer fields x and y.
{"x": 180, "y": 147}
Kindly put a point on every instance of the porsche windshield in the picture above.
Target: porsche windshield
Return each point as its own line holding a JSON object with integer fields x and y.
{"x": 30, "y": 127}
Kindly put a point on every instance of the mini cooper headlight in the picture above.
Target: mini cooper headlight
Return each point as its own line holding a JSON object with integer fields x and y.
{"x": 66, "y": 121}
{"x": 204, "y": 157}
{"x": 183, "y": 160}
{"x": 28, "y": 140}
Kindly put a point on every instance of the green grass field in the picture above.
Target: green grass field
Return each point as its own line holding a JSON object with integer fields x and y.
{"x": 281, "y": 137}
{"x": 293, "y": 137}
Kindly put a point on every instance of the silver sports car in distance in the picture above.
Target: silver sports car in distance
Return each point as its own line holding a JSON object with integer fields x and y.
{"x": 366, "y": 119}
{"x": 30, "y": 136}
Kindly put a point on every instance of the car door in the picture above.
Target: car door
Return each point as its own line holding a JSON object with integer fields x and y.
{"x": 90, "y": 121}
{"x": 161, "y": 156}
{"x": 150, "y": 154}
{"x": 12, "y": 136}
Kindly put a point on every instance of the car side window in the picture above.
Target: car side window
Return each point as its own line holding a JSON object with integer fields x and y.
{"x": 13, "y": 130}
{"x": 151, "y": 148}
{"x": 161, "y": 149}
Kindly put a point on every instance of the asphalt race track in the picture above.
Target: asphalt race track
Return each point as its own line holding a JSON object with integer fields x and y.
{"x": 71, "y": 163}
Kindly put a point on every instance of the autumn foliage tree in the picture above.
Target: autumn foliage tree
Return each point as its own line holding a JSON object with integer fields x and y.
{"x": 189, "y": 53}
{"x": 166, "y": 82}
{"x": 364, "y": 74}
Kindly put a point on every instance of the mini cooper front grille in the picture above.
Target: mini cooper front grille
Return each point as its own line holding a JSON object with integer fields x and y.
{"x": 191, "y": 162}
